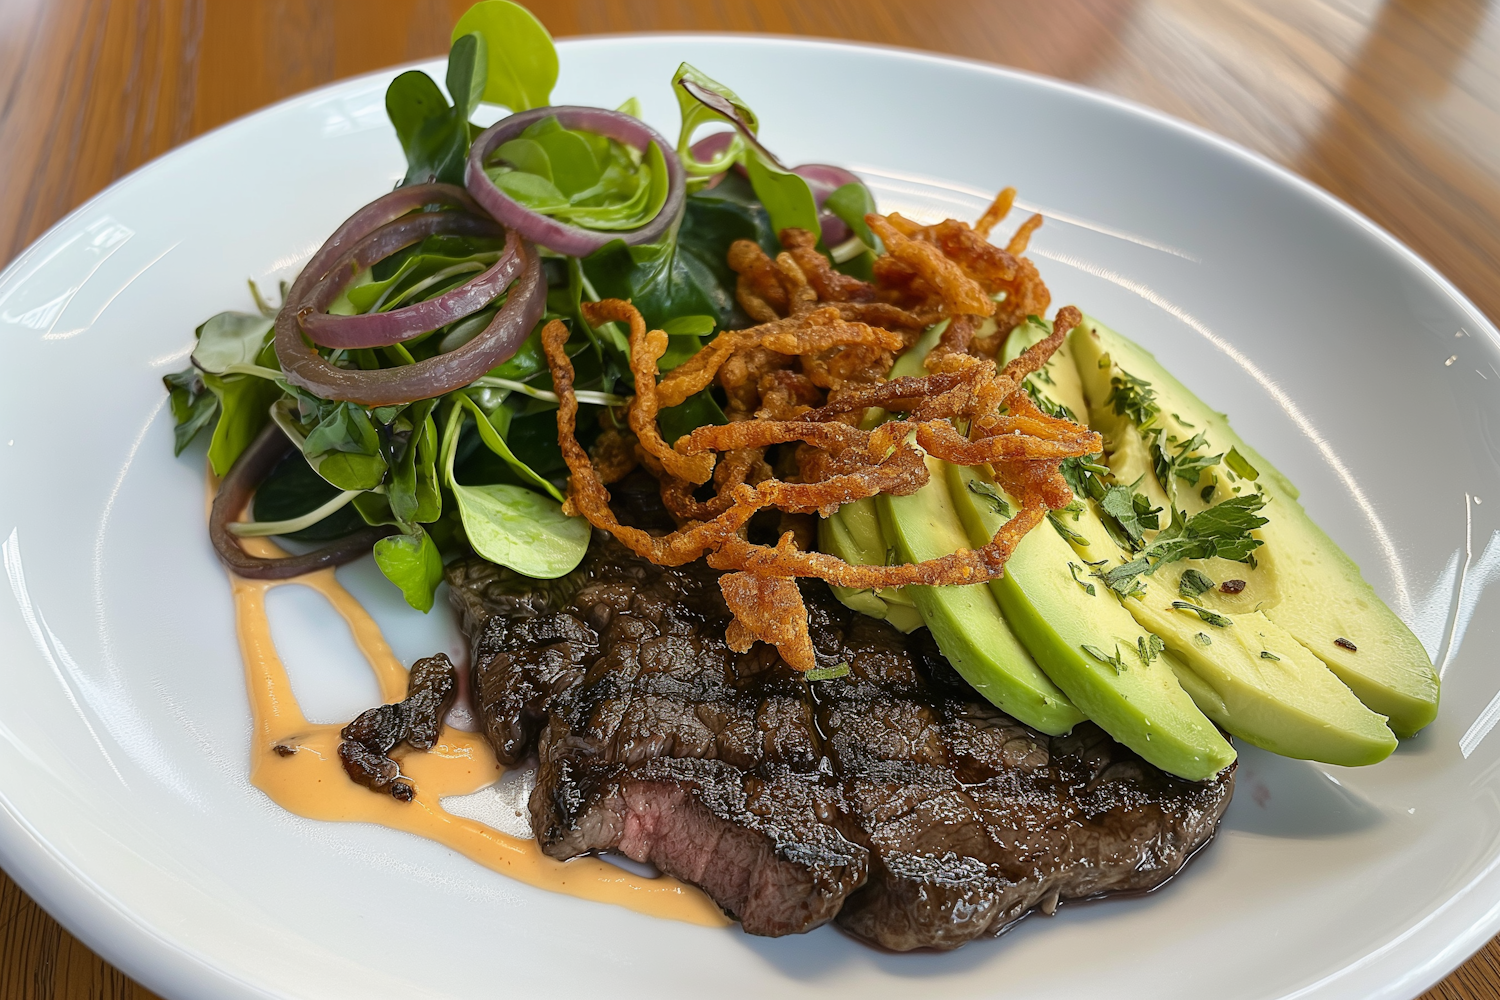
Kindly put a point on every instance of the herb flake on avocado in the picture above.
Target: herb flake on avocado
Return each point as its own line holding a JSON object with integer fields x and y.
{"x": 1211, "y": 617}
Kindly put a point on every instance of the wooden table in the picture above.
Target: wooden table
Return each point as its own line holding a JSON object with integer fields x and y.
{"x": 1393, "y": 106}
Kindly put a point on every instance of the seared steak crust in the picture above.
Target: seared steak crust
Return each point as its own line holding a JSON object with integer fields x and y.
{"x": 893, "y": 798}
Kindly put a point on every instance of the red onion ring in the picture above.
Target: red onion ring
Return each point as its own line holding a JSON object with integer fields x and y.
{"x": 387, "y": 328}
{"x": 248, "y": 471}
{"x": 306, "y": 368}
{"x": 386, "y": 208}
{"x": 561, "y": 237}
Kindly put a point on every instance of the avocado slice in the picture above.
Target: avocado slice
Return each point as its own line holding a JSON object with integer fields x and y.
{"x": 853, "y": 534}
{"x": 1301, "y": 583}
{"x": 966, "y": 621}
{"x": 853, "y": 531}
{"x": 1086, "y": 642}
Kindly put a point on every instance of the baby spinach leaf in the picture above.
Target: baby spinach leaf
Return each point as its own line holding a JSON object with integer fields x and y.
{"x": 786, "y": 196}
{"x": 522, "y": 60}
{"x": 689, "y": 275}
{"x": 403, "y": 489}
{"x": 468, "y": 64}
{"x": 570, "y": 158}
{"x": 688, "y": 326}
{"x": 512, "y": 525}
{"x": 193, "y": 406}
{"x": 526, "y": 155}
{"x": 526, "y": 362}
{"x": 433, "y": 136}
{"x": 413, "y": 564}
{"x": 851, "y": 203}
{"x": 244, "y": 407}
{"x": 522, "y": 529}
{"x": 230, "y": 338}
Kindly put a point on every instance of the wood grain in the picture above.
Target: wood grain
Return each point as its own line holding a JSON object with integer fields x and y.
{"x": 1393, "y": 106}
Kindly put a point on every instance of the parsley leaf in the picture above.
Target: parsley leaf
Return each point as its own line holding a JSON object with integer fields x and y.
{"x": 1193, "y": 583}
{"x": 1240, "y": 467}
{"x": 991, "y": 496}
{"x": 1045, "y": 404}
{"x": 1133, "y": 397}
{"x": 1211, "y": 617}
{"x": 1117, "y": 661}
{"x": 1088, "y": 587}
{"x": 1148, "y": 648}
{"x": 1185, "y": 463}
{"x": 1131, "y": 513}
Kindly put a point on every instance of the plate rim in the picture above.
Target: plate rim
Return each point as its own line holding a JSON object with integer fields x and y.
{"x": 151, "y": 956}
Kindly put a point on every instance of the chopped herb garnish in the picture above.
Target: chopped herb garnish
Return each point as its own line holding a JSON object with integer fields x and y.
{"x": 1193, "y": 583}
{"x": 828, "y": 673}
{"x": 1072, "y": 536}
{"x": 1266, "y": 654}
{"x": 992, "y": 496}
{"x": 1222, "y": 530}
{"x": 1202, "y": 639}
{"x": 1043, "y": 403}
{"x": 1131, "y": 513}
{"x": 1132, "y": 397}
{"x": 1117, "y": 661}
{"x": 1211, "y": 617}
{"x": 1207, "y": 493}
{"x": 1088, "y": 587}
{"x": 1241, "y": 468}
{"x": 1181, "y": 461}
{"x": 1182, "y": 422}
{"x": 1148, "y": 648}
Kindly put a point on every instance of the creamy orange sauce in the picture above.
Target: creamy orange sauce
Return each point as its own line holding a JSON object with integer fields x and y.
{"x": 310, "y": 781}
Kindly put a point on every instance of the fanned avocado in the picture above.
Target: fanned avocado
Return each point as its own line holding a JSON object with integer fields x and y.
{"x": 1085, "y": 641}
{"x": 1298, "y": 584}
{"x": 1249, "y": 676}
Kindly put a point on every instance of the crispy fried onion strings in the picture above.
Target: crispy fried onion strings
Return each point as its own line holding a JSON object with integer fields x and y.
{"x": 1024, "y": 444}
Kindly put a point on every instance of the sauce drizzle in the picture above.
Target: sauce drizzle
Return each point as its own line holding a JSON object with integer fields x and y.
{"x": 305, "y": 777}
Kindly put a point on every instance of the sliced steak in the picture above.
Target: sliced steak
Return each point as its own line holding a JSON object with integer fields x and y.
{"x": 973, "y": 819}
{"x": 894, "y": 797}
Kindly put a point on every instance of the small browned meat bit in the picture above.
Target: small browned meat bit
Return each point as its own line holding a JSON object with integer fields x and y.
{"x": 369, "y": 739}
{"x": 1232, "y": 586}
{"x": 1346, "y": 644}
{"x": 284, "y": 750}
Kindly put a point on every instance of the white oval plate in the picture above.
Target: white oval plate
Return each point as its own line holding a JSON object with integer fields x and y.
{"x": 124, "y": 727}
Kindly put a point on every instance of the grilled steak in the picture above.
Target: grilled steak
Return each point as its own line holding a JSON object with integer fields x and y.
{"x": 893, "y": 799}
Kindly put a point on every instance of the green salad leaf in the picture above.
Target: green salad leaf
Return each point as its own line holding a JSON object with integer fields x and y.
{"x": 413, "y": 564}
{"x": 433, "y": 137}
{"x": 522, "y": 58}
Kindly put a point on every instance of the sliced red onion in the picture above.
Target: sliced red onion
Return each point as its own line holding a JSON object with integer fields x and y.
{"x": 248, "y": 472}
{"x": 561, "y": 237}
{"x": 434, "y": 376}
{"x": 386, "y": 208}
{"x": 383, "y": 329}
